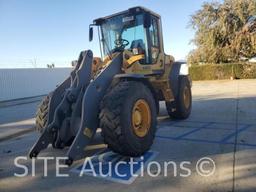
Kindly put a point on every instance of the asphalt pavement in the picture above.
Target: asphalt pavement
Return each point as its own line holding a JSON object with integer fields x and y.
{"x": 221, "y": 129}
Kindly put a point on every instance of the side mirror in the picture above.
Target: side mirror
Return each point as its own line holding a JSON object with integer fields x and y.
{"x": 147, "y": 20}
{"x": 90, "y": 33}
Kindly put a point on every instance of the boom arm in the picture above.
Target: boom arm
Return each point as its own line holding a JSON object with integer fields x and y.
{"x": 73, "y": 120}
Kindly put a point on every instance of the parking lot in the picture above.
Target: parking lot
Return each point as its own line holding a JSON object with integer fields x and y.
{"x": 222, "y": 127}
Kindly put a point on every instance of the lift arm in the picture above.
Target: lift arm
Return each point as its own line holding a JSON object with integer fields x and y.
{"x": 74, "y": 108}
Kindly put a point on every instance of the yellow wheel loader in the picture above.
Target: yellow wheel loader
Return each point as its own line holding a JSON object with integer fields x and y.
{"x": 119, "y": 92}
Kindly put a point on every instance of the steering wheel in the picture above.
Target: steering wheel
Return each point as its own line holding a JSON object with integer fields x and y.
{"x": 121, "y": 43}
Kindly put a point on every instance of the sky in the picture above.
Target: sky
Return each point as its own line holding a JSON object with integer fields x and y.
{"x": 34, "y": 33}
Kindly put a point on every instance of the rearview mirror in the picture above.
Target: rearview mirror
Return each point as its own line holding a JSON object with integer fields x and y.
{"x": 90, "y": 33}
{"x": 147, "y": 20}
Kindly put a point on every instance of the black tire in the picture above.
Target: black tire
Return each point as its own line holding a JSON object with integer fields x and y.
{"x": 42, "y": 113}
{"x": 116, "y": 118}
{"x": 177, "y": 109}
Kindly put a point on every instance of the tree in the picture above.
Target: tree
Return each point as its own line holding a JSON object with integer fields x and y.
{"x": 220, "y": 34}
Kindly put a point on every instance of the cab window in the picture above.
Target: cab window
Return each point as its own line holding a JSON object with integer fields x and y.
{"x": 154, "y": 38}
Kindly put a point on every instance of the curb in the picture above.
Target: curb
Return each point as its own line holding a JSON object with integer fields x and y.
{"x": 21, "y": 101}
{"x": 17, "y": 134}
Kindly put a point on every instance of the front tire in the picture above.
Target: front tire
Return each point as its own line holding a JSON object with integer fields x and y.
{"x": 128, "y": 118}
{"x": 43, "y": 113}
{"x": 180, "y": 108}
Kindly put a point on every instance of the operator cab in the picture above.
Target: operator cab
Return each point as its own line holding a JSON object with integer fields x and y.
{"x": 134, "y": 32}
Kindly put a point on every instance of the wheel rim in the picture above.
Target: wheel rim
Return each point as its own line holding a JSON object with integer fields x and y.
{"x": 186, "y": 97}
{"x": 141, "y": 118}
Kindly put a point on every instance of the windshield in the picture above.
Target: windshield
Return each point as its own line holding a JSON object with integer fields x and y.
{"x": 122, "y": 32}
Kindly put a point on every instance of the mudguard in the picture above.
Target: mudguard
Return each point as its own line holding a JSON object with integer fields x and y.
{"x": 176, "y": 73}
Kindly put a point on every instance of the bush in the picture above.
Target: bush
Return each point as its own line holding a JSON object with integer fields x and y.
{"x": 222, "y": 71}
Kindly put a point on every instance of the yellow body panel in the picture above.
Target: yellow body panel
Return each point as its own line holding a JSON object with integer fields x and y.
{"x": 132, "y": 65}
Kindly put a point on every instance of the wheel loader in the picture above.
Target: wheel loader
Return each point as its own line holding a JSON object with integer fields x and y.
{"x": 119, "y": 92}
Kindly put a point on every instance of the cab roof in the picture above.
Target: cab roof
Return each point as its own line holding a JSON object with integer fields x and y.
{"x": 132, "y": 10}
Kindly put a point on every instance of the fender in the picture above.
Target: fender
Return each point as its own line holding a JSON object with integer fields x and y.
{"x": 178, "y": 70}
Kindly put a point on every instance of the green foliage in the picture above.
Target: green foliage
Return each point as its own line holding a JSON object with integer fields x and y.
{"x": 222, "y": 71}
{"x": 220, "y": 32}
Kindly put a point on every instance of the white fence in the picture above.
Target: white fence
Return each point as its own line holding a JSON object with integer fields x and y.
{"x": 22, "y": 83}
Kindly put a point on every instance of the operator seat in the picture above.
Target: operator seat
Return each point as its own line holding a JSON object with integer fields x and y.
{"x": 137, "y": 47}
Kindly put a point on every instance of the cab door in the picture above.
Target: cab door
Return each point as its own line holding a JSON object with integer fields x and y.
{"x": 156, "y": 52}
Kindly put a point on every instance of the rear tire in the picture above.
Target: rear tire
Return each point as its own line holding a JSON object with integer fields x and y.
{"x": 118, "y": 118}
{"x": 180, "y": 108}
{"x": 42, "y": 113}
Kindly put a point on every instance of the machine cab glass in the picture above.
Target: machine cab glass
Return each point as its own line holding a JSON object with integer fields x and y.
{"x": 129, "y": 32}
